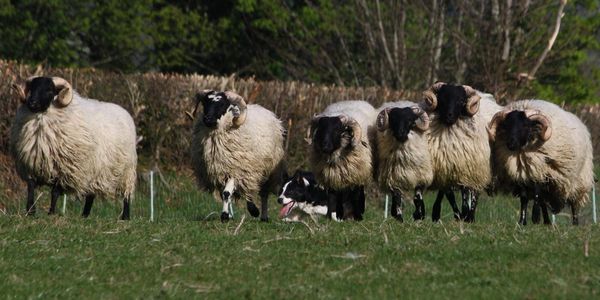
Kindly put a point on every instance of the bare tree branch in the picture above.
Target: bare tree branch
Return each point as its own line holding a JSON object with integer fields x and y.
{"x": 560, "y": 14}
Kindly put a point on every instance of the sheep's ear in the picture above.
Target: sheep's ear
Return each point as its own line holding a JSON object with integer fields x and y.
{"x": 20, "y": 92}
{"x": 202, "y": 96}
{"x": 383, "y": 119}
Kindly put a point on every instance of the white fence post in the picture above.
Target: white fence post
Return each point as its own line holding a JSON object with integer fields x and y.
{"x": 64, "y": 209}
{"x": 594, "y": 203}
{"x": 151, "y": 196}
{"x": 385, "y": 212}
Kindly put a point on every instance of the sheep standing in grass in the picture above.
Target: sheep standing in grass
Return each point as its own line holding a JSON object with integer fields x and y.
{"x": 73, "y": 144}
{"x": 237, "y": 149}
{"x": 459, "y": 144}
{"x": 341, "y": 155}
{"x": 403, "y": 159}
{"x": 546, "y": 152}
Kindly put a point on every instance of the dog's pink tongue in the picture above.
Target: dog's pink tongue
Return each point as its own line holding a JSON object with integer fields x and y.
{"x": 285, "y": 210}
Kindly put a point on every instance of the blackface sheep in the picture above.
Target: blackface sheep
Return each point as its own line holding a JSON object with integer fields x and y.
{"x": 73, "y": 144}
{"x": 403, "y": 159}
{"x": 301, "y": 194}
{"x": 459, "y": 144}
{"x": 545, "y": 152}
{"x": 237, "y": 150}
{"x": 341, "y": 155}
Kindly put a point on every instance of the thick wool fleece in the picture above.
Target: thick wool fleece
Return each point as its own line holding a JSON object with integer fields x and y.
{"x": 88, "y": 147}
{"x": 348, "y": 167}
{"x": 461, "y": 153}
{"x": 403, "y": 166}
{"x": 565, "y": 161}
{"x": 250, "y": 154}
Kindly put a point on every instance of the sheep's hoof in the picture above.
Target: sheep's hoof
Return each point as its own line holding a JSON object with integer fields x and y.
{"x": 252, "y": 209}
{"x": 224, "y": 217}
{"x": 264, "y": 219}
{"x": 399, "y": 218}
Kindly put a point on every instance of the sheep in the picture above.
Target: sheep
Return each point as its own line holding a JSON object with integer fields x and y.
{"x": 459, "y": 144}
{"x": 237, "y": 149}
{"x": 341, "y": 156}
{"x": 403, "y": 159}
{"x": 73, "y": 144}
{"x": 546, "y": 152}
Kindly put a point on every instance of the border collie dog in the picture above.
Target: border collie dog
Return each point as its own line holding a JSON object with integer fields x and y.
{"x": 302, "y": 195}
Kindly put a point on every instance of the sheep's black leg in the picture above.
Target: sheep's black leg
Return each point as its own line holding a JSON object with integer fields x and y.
{"x": 30, "y": 207}
{"x": 523, "y": 212}
{"x": 545, "y": 213}
{"x": 471, "y": 215}
{"x": 125, "y": 213}
{"x": 264, "y": 204}
{"x": 334, "y": 203}
{"x": 575, "y": 215}
{"x": 452, "y": 200}
{"x": 349, "y": 204}
{"x": 87, "y": 207}
{"x": 56, "y": 192}
{"x": 354, "y": 206}
{"x": 536, "y": 212}
{"x": 360, "y": 205}
{"x": 539, "y": 206}
{"x": 419, "y": 213}
{"x": 437, "y": 206}
{"x": 397, "y": 206}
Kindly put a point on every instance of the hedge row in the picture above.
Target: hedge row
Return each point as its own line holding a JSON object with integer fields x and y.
{"x": 158, "y": 103}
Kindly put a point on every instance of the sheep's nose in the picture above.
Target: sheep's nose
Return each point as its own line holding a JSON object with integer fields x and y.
{"x": 280, "y": 200}
{"x": 209, "y": 121}
{"x": 327, "y": 148}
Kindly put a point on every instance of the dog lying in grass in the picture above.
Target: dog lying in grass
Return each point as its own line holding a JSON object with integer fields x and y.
{"x": 301, "y": 196}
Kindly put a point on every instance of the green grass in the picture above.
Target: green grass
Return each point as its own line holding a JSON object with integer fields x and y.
{"x": 187, "y": 254}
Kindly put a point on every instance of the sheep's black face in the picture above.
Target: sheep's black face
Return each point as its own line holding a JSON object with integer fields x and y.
{"x": 402, "y": 121}
{"x": 517, "y": 130}
{"x": 328, "y": 137}
{"x": 41, "y": 92}
{"x": 215, "y": 105}
{"x": 452, "y": 101}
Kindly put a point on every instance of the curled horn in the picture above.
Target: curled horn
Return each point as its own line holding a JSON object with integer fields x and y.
{"x": 493, "y": 125}
{"x": 355, "y": 127}
{"x": 472, "y": 100}
{"x": 239, "y": 111}
{"x": 423, "y": 121}
{"x": 545, "y": 124}
{"x": 198, "y": 99}
{"x": 383, "y": 119}
{"x": 429, "y": 96}
{"x": 65, "y": 96}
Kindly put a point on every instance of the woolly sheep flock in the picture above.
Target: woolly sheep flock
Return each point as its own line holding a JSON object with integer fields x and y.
{"x": 456, "y": 138}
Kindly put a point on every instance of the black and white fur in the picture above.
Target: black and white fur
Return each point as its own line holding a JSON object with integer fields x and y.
{"x": 303, "y": 196}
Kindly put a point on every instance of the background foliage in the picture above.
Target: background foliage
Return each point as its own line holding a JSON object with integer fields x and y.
{"x": 394, "y": 43}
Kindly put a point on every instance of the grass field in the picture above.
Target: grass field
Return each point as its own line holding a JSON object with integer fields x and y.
{"x": 188, "y": 253}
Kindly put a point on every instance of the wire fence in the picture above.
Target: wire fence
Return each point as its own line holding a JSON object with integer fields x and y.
{"x": 160, "y": 198}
